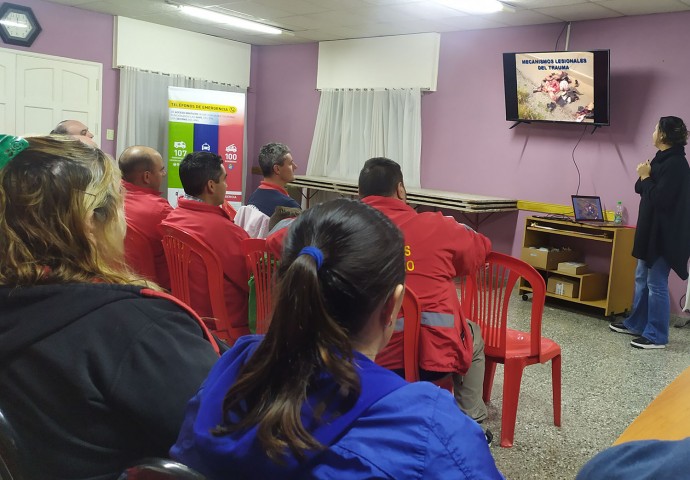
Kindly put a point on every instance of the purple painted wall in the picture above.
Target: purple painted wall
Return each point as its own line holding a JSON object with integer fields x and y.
{"x": 82, "y": 35}
{"x": 283, "y": 79}
{"x": 466, "y": 144}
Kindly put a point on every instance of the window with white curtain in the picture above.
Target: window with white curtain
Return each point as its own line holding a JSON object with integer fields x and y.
{"x": 355, "y": 125}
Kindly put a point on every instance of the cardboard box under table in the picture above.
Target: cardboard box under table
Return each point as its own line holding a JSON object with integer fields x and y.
{"x": 547, "y": 259}
{"x": 568, "y": 287}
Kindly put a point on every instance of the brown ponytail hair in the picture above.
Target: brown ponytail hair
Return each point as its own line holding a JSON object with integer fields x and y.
{"x": 316, "y": 313}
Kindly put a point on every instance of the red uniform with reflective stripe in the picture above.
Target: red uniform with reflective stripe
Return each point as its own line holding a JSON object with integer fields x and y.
{"x": 145, "y": 209}
{"x": 213, "y": 225}
{"x": 437, "y": 249}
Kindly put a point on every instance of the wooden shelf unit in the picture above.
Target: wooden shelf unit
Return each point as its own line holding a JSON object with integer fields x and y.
{"x": 545, "y": 232}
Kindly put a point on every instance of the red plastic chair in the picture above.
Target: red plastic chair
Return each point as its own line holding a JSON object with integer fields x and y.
{"x": 139, "y": 254}
{"x": 490, "y": 292}
{"x": 230, "y": 210}
{"x": 263, "y": 265}
{"x": 179, "y": 247}
{"x": 413, "y": 324}
{"x": 411, "y": 310}
{"x": 465, "y": 295}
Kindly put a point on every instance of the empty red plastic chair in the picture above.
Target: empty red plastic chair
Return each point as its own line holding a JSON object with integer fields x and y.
{"x": 179, "y": 246}
{"x": 489, "y": 295}
{"x": 138, "y": 253}
{"x": 263, "y": 266}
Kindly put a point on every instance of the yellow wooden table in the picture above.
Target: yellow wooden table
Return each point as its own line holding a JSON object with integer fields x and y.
{"x": 667, "y": 417}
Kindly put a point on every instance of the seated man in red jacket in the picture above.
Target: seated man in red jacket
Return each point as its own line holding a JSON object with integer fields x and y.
{"x": 142, "y": 175}
{"x": 203, "y": 177}
{"x": 437, "y": 249}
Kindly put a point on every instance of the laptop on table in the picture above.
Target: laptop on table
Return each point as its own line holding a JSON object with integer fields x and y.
{"x": 588, "y": 210}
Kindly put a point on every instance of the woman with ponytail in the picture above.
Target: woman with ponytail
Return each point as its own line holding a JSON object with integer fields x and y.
{"x": 307, "y": 400}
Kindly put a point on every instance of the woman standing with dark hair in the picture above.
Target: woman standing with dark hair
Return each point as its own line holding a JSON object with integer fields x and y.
{"x": 308, "y": 401}
{"x": 662, "y": 238}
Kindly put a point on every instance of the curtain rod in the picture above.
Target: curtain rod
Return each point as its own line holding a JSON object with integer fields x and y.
{"x": 185, "y": 76}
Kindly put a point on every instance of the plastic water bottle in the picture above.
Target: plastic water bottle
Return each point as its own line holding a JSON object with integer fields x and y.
{"x": 618, "y": 214}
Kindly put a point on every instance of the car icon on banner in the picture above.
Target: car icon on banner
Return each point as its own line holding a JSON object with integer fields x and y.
{"x": 231, "y": 148}
{"x": 205, "y": 147}
{"x": 180, "y": 145}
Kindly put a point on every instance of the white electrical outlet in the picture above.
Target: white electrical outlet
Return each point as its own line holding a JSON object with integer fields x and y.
{"x": 109, "y": 134}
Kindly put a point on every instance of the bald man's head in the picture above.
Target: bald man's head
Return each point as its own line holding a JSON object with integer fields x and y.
{"x": 142, "y": 166}
{"x": 72, "y": 127}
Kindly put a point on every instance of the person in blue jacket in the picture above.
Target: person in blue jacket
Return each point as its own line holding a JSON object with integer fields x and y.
{"x": 641, "y": 460}
{"x": 307, "y": 400}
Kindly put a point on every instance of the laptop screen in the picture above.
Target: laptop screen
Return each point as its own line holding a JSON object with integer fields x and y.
{"x": 587, "y": 208}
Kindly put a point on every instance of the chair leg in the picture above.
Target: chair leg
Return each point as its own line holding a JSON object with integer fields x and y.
{"x": 489, "y": 372}
{"x": 556, "y": 380}
{"x": 512, "y": 373}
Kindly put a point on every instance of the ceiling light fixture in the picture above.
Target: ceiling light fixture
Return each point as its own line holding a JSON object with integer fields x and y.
{"x": 476, "y": 6}
{"x": 237, "y": 22}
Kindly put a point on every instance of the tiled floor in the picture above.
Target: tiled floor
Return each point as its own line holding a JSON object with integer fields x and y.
{"x": 606, "y": 384}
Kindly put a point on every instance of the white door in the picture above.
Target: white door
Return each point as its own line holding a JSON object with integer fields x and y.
{"x": 7, "y": 91}
{"x": 51, "y": 89}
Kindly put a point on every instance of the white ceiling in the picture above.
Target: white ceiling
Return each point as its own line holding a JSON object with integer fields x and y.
{"x": 318, "y": 20}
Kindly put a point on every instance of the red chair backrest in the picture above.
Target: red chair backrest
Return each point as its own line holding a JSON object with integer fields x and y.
{"x": 465, "y": 295}
{"x": 491, "y": 289}
{"x": 179, "y": 246}
{"x": 263, "y": 265}
{"x": 139, "y": 254}
{"x": 230, "y": 210}
{"x": 413, "y": 324}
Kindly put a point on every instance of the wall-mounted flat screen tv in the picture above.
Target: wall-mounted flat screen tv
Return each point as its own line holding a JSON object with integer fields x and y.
{"x": 570, "y": 87}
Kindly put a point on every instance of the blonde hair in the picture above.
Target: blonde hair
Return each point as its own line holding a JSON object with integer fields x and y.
{"x": 62, "y": 216}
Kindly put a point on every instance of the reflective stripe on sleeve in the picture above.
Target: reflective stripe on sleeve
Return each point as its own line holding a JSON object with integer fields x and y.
{"x": 430, "y": 319}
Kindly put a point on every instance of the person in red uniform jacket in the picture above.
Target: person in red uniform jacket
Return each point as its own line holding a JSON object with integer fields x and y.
{"x": 142, "y": 175}
{"x": 203, "y": 177}
{"x": 437, "y": 249}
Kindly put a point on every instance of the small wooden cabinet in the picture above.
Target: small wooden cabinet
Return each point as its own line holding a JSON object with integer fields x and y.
{"x": 609, "y": 287}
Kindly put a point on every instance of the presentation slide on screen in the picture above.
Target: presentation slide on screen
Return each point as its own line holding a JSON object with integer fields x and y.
{"x": 556, "y": 86}
{"x": 210, "y": 121}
